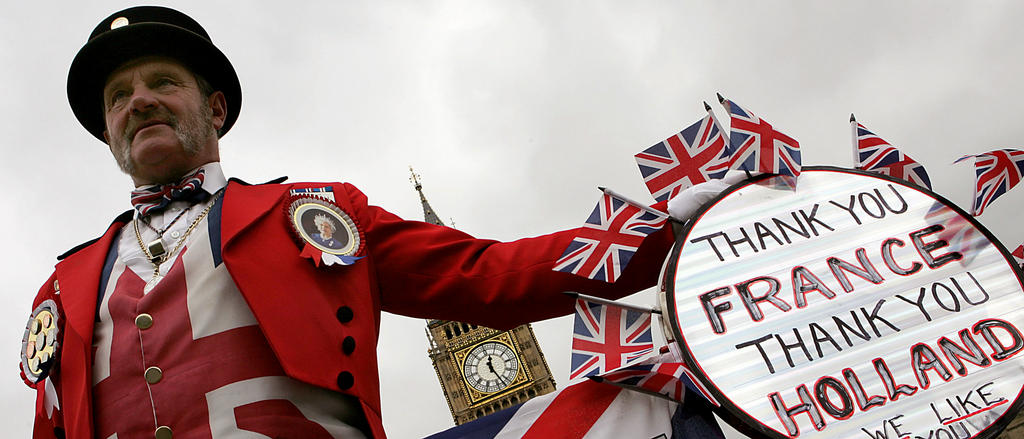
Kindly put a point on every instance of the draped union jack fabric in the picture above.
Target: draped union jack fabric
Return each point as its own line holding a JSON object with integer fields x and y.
{"x": 1018, "y": 256}
{"x": 694, "y": 155}
{"x": 607, "y": 337}
{"x": 876, "y": 155}
{"x": 612, "y": 234}
{"x": 996, "y": 172}
{"x": 757, "y": 147}
{"x": 592, "y": 410}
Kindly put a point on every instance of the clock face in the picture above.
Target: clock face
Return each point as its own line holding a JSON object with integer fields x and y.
{"x": 491, "y": 366}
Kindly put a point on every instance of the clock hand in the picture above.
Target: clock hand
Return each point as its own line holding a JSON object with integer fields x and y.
{"x": 490, "y": 365}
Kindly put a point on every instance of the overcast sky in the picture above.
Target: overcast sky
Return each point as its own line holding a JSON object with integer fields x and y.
{"x": 512, "y": 112}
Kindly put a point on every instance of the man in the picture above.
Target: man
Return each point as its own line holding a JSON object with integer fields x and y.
{"x": 204, "y": 312}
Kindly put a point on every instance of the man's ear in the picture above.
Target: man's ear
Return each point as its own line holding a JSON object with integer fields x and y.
{"x": 106, "y": 137}
{"x": 219, "y": 106}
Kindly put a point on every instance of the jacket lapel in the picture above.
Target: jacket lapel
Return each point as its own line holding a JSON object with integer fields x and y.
{"x": 79, "y": 277}
{"x": 243, "y": 205}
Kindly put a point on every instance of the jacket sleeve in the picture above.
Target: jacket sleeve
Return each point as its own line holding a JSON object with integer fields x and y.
{"x": 429, "y": 271}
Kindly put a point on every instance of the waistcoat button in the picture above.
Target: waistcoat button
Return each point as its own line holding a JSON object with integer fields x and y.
{"x": 163, "y": 432}
{"x": 153, "y": 375}
{"x": 144, "y": 321}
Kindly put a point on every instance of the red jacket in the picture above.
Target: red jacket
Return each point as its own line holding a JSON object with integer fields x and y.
{"x": 410, "y": 268}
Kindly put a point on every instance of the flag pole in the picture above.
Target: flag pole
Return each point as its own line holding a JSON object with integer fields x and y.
{"x": 856, "y": 155}
{"x": 714, "y": 120}
{"x": 639, "y": 205}
{"x": 602, "y": 301}
{"x": 721, "y": 100}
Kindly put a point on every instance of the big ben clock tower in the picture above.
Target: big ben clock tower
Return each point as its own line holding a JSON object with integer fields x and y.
{"x": 484, "y": 370}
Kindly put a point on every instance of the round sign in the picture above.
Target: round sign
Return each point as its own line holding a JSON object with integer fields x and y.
{"x": 848, "y": 305}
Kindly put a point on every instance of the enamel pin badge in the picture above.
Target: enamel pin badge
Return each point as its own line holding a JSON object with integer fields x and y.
{"x": 327, "y": 234}
{"x": 40, "y": 345}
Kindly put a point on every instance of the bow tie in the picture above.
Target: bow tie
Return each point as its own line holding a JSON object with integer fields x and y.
{"x": 154, "y": 198}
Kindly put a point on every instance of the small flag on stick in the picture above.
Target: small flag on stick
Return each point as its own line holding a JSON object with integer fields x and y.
{"x": 871, "y": 153}
{"x": 664, "y": 374}
{"x": 609, "y": 238}
{"x": 757, "y": 147}
{"x": 996, "y": 173}
{"x": 607, "y": 337}
{"x": 694, "y": 155}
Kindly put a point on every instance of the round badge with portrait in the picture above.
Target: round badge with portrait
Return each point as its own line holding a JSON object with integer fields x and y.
{"x": 324, "y": 226}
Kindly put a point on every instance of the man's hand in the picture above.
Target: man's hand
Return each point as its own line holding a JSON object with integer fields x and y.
{"x": 687, "y": 202}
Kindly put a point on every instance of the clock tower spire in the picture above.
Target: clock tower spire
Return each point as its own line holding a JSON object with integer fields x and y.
{"x": 428, "y": 212}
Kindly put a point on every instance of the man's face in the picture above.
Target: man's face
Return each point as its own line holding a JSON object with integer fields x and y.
{"x": 159, "y": 124}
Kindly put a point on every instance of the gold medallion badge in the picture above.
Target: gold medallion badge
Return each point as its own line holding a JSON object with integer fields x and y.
{"x": 40, "y": 344}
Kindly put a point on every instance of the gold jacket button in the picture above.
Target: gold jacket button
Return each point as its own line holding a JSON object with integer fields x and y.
{"x": 163, "y": 432}
{"x": 153, "y": 376}
{"x": 144, "y": 321}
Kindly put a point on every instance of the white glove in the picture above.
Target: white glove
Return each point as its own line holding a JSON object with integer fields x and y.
{"x": 687, "y": 202}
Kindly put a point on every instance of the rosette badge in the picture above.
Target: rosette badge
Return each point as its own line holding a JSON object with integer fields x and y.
{"x": 326, "y": 233}
{"x": 40, "y": 344}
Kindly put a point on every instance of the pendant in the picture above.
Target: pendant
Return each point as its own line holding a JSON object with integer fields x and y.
{"x": 153, "y": 281}
{"x": 156, "y": 250}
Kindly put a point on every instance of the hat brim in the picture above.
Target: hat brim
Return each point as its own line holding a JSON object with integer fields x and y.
{"x": 104, "y": 54}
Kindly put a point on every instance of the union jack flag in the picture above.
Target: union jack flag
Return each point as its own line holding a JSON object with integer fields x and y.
{"x": 663, "y": 374}
{"x": 1018, "y": 255}
{"x": 757, "y": 147}
{"x": 997, "y": 172}
{"x": 607, "y": 337}
{"x": 876, "y": 155}
{"x": 604, "y": 245}
{"x": 694, "y": 155}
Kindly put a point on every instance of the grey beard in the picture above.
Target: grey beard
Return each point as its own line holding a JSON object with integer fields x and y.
{"x": 124, "y": 155}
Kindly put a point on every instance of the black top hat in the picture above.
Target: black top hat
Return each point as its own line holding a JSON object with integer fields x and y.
{"x": 146, "y": 31}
